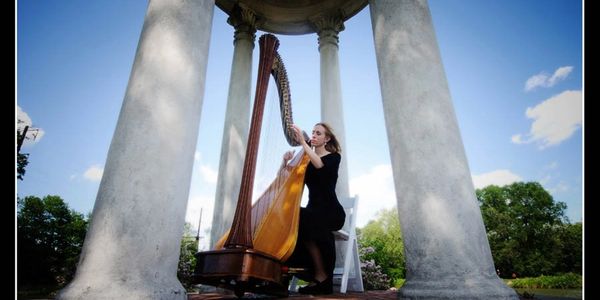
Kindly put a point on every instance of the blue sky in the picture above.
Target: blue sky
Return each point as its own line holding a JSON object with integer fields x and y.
{"x": 514, "y": 69}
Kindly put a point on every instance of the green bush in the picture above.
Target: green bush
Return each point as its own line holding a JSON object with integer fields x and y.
{"x": 564, "y": 281}
{"x": 187, "y": 258}
{"x": 383, "y": 238}
{"x": 372, "y": 275}
{"x": 399, "y": 282}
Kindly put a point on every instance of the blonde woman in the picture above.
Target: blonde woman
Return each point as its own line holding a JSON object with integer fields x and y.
{"x": 315, "y": 248}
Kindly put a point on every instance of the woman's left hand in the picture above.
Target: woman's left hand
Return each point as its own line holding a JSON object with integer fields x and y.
{"x": 288, "y": 155}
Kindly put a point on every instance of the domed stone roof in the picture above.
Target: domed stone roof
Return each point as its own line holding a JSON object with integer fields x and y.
{"x": 293, "y": 17}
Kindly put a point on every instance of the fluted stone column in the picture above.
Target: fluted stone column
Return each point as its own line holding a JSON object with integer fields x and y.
{"x": 131, "y": 250}
{"x": 446, "y": 248}
{"x": 237, "y": 122}
{"x": 332, "y": 110}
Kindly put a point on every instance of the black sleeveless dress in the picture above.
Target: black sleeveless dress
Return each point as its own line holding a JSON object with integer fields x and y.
{"x": 322, "y": 215}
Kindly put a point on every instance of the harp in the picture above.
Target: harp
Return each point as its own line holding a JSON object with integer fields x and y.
{"x": 262, "y": 236}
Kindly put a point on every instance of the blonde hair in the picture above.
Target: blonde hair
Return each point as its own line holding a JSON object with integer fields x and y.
{"x": 333, "y": 145}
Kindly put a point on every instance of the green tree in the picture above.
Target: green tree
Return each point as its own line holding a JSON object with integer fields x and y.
{"x": 522, "y": 221}
{"x": 384, "y": 237}
{"x": 568, "y": 254}
{"x": 22, "y": 158}
{"x": 49, "y": 240}
{"x": 187, "y": 260}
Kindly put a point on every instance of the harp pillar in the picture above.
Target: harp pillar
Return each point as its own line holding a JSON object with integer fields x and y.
{"x": 446, "y": 247}
{"x": 131, "y": 249}
{"x": 237, "y": 122}
{"x": 332, "y": 110}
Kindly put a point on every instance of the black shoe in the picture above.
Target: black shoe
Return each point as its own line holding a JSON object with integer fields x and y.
{"x": 324, "y": 287}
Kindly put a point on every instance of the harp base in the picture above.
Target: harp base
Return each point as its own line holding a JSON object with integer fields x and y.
{"x": 242, "y": 270}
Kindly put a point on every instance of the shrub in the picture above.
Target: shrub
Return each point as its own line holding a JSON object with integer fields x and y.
{"x": 564, "y": 281}
{"x": 372, "y": 274}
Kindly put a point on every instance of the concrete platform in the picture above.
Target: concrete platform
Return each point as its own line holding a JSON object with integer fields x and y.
{"x": 376, "y": 295}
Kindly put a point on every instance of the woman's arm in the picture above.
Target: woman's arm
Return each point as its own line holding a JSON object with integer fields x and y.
{"x": 314, "y": 158}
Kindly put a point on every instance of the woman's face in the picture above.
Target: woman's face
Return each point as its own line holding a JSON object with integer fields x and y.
{"x": 318, "y": 136}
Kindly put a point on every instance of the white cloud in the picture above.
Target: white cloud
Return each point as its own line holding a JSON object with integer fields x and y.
{"x": 535, "y": 81}
{"x": 517, "y": 139}
{"x": 497, "y": 177}
{"x": 202, "y": 197}
{"x": 560, "y": 74}
{"x": 375, "y": 190}
{"x": 94, "y": 173}
{"x": 23, "y": 118}
{"x": 208, "y": 174}
{"x": 34, "y": 134}
{"x": 544, "y": 80}
{"x": 554, "y": 120}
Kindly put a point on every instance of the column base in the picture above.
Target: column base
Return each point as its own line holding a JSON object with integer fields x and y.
{"x": 457, "y": 288}
{"x": 117, "y": 289}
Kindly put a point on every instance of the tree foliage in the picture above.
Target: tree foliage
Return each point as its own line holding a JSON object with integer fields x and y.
{"x": 22, "y": 161}
{"x": 523, "y": 225}
{"x": 568, "y": 254}
{"x": 384, "y": 237}
{"x": 372, "y": 275}
{"x": 187, "y": 260}
{"x": 22, "y": 158}
{"x": 49, "y": 240}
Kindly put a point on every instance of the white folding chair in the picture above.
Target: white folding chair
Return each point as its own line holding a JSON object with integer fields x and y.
{"x": 347, "y": 273}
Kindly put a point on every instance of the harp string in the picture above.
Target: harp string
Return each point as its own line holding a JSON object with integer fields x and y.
{"x": 270, "y": 154}
{"x": 274, "y": 229}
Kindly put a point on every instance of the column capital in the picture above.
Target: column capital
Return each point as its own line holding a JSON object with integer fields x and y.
{"x": 328, "y": 28}
{"x": 244, "y": 21}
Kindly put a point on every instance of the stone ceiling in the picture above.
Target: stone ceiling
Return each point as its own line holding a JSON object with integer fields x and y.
{"x": 293, "y": 17}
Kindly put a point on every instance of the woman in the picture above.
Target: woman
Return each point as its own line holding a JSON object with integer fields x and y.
{"x": 315, "y": 247}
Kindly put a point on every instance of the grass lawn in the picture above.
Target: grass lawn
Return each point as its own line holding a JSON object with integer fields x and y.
{"x": 566, "y": 293}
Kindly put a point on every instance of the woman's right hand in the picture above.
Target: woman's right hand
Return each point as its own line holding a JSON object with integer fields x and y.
{"x": 299, "y": 136}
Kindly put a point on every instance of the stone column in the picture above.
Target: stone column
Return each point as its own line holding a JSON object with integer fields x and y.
{"x": 446, "y": 247}
{"x": 131, "y": 250}
{"x": 237, "y": 122}
{"x": 332, "y": 111}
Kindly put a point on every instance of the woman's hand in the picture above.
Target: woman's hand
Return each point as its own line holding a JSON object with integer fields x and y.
{"x": 298, "y": 134}
{"x": 314, "y": 158}
{"x": 288, "y": 155}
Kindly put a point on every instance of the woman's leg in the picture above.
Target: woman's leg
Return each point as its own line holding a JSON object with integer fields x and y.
{"x": 317, "y": 258}
{"x": 323, "y": 282}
